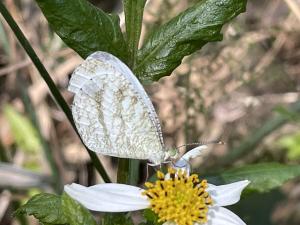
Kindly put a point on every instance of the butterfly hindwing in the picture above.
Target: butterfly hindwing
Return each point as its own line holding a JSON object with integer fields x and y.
{"x": 112, "y": 112}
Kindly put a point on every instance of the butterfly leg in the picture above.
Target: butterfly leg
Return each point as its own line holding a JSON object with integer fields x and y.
{"x": 152, "y": 165}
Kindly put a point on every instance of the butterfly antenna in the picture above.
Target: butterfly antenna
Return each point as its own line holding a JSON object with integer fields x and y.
{"x": 218, "y": 142}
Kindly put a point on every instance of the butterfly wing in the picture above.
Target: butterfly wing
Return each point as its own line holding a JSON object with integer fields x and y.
{"x": 112, "y": 112}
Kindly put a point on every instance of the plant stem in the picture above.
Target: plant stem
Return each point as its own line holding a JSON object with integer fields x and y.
{"x": 123, "y": 171}
{"x": 53, "y": 89}
{"x": 134, "y": 10}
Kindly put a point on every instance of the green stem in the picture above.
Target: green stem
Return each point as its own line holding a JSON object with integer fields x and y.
{"x": 53, "y": 89}
{"x": 134, "y": 171}
{"x": 134, "y": 10}
{"x": 123, "y": 171}
{"x": 128, "y": 171}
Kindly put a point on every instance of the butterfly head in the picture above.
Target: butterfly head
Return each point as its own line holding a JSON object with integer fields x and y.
{"x": 171, "y": 154}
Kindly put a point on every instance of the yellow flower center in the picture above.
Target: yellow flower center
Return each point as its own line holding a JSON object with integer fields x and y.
{"x": 182, "y": 199}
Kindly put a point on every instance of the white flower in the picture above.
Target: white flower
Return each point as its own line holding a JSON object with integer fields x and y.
{"x": 177, "y": 199}
{"x": 183, "y": 162}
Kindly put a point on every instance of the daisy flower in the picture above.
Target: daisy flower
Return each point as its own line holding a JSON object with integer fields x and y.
{"x": 176, "y": 197}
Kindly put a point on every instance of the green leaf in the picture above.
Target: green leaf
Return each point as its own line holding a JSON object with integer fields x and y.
{"x": 59, "y": 210}
{"x": 151, "y": 218}
{"x": 292, "y": 144}
{"x": 264, "y": 176}
{"x": 22, "y": 129}
{"x": 183, "y": 35}
{"x": 133, "y": 18}
{"x": 85, "y": 28}
{"x": 75, "y": 213}
{"x": 117, "y": 219}
{"x": 45, "y": 207}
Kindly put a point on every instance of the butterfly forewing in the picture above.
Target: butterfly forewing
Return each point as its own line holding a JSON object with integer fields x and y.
{"x": 112, "y": 112}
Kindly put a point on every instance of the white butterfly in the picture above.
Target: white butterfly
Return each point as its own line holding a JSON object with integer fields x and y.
{"x": 112, "y": 112}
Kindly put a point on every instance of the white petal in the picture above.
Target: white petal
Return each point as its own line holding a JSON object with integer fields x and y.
{"x": 228, "y": 194}
{"x": 169, "y": 223}
{"x": 195, "y": 152}
{"x": 221, "y": 216}
{"x": 183, "y": 165}
{"x": 108, "y": 197}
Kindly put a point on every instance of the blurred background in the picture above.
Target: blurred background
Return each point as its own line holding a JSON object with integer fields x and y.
{"x": 243, "y": 91}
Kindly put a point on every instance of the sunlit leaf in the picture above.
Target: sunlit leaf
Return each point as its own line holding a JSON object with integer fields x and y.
{"x": 183, "y": 35}
{"x": 85, "y": 28}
